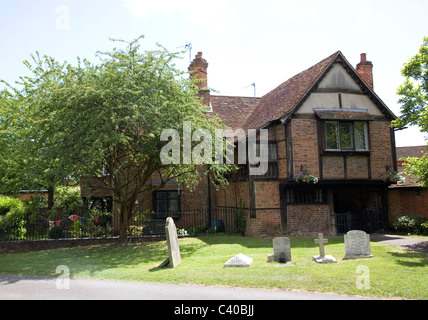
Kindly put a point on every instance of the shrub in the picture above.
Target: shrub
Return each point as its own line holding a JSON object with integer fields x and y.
{"x": 56, "y": 233}
{"x": 410, "y": 224}
{"x": 240, "y": 223}
{"x": 7, "y": 204}
{"x": 68, "y": 198}
{"x": 424, "y": 228}
{"x": 12, "y": 218}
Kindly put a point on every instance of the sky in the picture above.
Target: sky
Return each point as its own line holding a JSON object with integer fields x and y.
{"x": 244, "y": 41}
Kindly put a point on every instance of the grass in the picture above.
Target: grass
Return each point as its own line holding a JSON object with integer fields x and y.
{"x": 392, "y": 272}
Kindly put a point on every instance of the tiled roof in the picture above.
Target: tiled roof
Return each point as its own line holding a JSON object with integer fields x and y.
{"x": 282, "y": 100}
{"x": 234, "y": 111}
{"x": 256, "y": 113}
{"x": 404, "y": 152}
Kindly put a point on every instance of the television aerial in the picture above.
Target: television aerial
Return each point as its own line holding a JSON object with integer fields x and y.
{"x": 187, "y": 47}
{"x": 252, "y": 85}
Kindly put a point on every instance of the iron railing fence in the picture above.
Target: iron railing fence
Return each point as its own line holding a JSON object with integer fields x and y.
{"x": 85, "y": 224}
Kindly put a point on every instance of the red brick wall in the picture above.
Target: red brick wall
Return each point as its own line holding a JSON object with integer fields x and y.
{"x": 267, "y": 221}
{"x": 308, "y": 220}
{"x": 333, "y": 167}
{"x": 357, "y": 167}
{"x": 305, "y": 145}
{"x": 380, "y": 146}
{"x": 407, "y": 201}
{"x": 266, "y": 224}
{"x": 281, "y": 151}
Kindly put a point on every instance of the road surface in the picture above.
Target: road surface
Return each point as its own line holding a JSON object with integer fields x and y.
{"x": 39, "y": 288}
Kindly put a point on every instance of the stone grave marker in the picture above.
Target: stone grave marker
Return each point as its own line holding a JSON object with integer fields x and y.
{"x": 357, "y": 245}
{"x": 281, "y": 247}
{"x": 323, "y": 258}
{"x": 174, "y": 258}
{"x": 239, "y": 261}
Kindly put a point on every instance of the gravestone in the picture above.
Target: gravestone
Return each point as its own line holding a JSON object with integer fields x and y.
{"x": 172, "y": 241}
{"x": 239, "y": 261}
{"x": 357, "y": 245}
{"x": 281, "y": 246}
{"x": 323, "y": 258}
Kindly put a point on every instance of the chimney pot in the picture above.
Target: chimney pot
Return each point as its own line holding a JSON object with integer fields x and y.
{"x": 198, "y": 71}
{"x": 365, "y": 70}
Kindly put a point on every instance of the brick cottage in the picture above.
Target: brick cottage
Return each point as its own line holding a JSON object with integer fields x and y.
{"x": 330, "y": 148}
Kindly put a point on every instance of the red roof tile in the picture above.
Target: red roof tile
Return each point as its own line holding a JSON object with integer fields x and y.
{"x": 234, "y": 111}
{"x": 280, "y": 101}
{"x": 404, "y": 152}
{"x": 256, "y": 113}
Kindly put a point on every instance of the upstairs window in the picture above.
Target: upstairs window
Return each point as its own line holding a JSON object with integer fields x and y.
{"x": 344, "y": 136}
{"x": 272, "y": 152}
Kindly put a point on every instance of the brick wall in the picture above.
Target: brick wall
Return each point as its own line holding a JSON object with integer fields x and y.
{"x": 305, "y": 145}
{"x": 380, "y": 146}
{"x": 281, "y": 146}
{"x": 308, "y": 220}
{"x": 266, "y": 224}
{"x": 407, "y": 201}
{"x": 357, "y": 167}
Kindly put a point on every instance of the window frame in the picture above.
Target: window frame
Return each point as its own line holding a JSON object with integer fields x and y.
{"x": 305, "y": 195}
{"x": 339, "y": 133}
{"x": 168, "y": 199}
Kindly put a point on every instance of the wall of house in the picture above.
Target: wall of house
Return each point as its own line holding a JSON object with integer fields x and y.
{"x": 336, "y": 81}
{"x": 407, "y": 201}
{"x": 381, "y": 149}
{"x": 305, "y": 146}
{"x": 308, "y": 220}
{"x": 266, "y": 218}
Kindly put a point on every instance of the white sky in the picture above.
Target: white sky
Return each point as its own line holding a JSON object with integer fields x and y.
{"x": 265, "y": 42}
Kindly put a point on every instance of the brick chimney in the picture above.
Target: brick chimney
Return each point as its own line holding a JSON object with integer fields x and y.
{"x": 365, "y": 70}
{"x": 198, "y": 72}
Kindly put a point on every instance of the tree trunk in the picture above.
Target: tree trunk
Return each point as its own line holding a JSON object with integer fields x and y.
{"x": 51, "y": 191}
{"x": 123, "y": 234}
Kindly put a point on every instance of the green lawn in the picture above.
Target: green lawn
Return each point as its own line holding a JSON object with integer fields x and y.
{"x": 392, "y": 272}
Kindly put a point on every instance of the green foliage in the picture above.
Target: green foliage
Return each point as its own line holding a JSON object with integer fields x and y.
{"x": 418, "y": 167}
{"x": 424, "y": 228}
{"x": 68, "y": 198}
{"x": 73, "y": 120}
{"x": 240, "y": 223}
{"x": 414, "y": 110}
{"x": 410, "y": 224}
{"x": 56, "y": 233}
{"x": 7, "y": 204}
{"x": 414, "y": 91}
{"x": 12, "y": 218}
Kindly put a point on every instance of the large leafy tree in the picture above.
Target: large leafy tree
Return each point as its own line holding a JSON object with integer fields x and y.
{"x": 110, "y": 117}
{"x": 414, "y": 111}
{"x": 27, "y": 132}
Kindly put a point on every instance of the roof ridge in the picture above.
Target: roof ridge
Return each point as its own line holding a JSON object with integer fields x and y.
{"x": 233, "y": 96}
{"x": 330, "y": 56}
{"x": 284, "y": 98}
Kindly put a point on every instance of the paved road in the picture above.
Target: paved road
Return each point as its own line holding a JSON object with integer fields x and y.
{"x": 37, "y": 288}
{"x": 419, "y": 244}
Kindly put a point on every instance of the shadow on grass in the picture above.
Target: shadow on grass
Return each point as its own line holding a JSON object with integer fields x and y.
{"x": 263, "y": 243}
{"x": 410, "y": 259}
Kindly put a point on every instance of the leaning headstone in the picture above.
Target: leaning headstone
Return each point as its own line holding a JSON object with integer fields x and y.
{"x": 281, "y": 249}
{"x": 172, "y": 241}
{"x": 357, "y": 245}
{"x": 323, "y": 258}
{"x": 239, "y": 261}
